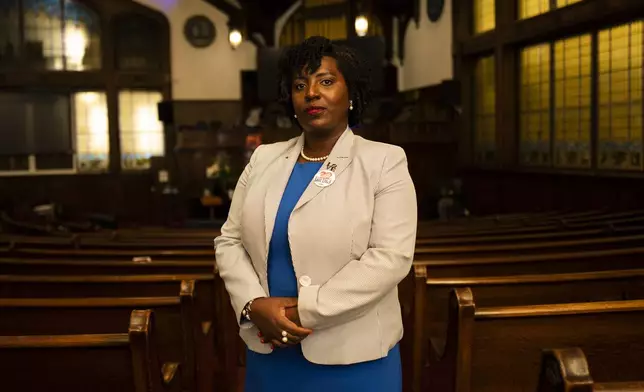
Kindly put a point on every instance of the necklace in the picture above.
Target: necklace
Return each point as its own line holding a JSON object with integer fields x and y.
{"x": 320, "y": 159}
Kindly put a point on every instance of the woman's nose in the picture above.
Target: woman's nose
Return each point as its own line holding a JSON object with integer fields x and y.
{"x": 312, "y": 92}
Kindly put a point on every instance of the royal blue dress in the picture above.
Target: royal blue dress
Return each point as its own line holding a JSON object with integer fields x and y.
{"x": 286, "y": 369}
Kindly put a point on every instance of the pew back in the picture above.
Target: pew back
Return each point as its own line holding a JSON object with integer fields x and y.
{"x": 498, "y": 348}
{"x": 86, "y": 362}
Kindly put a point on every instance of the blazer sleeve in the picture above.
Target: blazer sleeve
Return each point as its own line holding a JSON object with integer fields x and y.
{"x": 233, "y": 262}
{"x": 362, "y": 283}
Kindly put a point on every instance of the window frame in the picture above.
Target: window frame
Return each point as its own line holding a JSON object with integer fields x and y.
{"x": 476, "y": 116}
{"x": 75, "y": 167}
{"x": 120, "y": 129}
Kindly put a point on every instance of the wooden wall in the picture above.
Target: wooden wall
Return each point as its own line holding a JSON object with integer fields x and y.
{"x": 126, "y": 196}
{"x": 507, "y": 191}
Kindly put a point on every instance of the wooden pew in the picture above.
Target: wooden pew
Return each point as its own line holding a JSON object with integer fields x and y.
{"x": 215, "y": 329}
{"x": 498, "y": 348}
{"x": 626, "y": 218}
{"x": 567, "y": 370}
{"x": 86, "y": 362}
{"x": 432, "y": 294}
{"x": 148, "y": 245}
{"x": 79, "y": 314}
{"x": 535, "y": 263}
{"x": 201, "y": 315}
{"x": 597, "y": 232}
{"x": 119, "y": 254}
{"x": 628, "y": 236}
{"x": 222, "y": 346}
{"x": 72, "y": 266}
{"x": 625, "y": 239}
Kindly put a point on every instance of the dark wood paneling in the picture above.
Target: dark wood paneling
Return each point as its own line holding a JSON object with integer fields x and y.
{"x": 127, "y": 196}
{"x": 222, "y": 118}
{"x": 496, "y": 191}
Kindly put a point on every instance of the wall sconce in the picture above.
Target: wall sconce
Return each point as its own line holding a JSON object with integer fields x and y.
{"x": 362, "y": 25}
{"x": 235, "y": 38}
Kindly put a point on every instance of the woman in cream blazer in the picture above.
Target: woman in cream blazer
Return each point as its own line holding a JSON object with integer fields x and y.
{"x": 350, "y": 234}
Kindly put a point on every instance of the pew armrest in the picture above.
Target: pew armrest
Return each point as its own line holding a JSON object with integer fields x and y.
{"x": 169, "y": 370}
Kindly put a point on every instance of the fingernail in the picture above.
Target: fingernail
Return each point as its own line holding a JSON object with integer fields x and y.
{"x": 259, "y": 334}
{"x": 262, "y": 340}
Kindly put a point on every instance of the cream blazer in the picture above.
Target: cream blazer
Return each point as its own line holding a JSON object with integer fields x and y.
{"x": 351, "y": 242}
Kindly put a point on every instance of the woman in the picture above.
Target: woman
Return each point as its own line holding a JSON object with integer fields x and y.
{"x": 320, "y": 232}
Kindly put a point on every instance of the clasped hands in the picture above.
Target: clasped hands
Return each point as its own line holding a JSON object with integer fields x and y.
{"x": 276, "y": 315}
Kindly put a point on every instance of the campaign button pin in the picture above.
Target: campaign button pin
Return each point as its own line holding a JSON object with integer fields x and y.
{"x": 324, "y": 178}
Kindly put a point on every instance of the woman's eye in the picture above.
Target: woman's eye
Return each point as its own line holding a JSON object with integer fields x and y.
{"x": 299, "y": 86}
{"x": 327, "y": 82}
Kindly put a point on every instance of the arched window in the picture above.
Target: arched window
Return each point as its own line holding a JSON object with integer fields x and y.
{"x": 57, "y": 35}
{"x": 61, "y": 35}
{"x": 138, "y": 43}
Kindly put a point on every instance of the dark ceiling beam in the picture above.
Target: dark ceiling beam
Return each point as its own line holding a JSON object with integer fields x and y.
{"x": 255, "y": 17}
{"x": 225, "y": 7}
{"x": 325, "y": 11}
{"x": 406, "y": 11}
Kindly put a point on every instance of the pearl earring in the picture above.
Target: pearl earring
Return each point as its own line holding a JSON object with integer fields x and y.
{"x": 350, "y": 105}
{"x": 295, "y": 115}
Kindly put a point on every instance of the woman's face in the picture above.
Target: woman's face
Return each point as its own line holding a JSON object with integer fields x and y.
{"x": 321, "y": 98}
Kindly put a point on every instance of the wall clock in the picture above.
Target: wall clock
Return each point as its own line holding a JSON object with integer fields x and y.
{"x": 199, "y": 31}
{"x": 435, "y": 9}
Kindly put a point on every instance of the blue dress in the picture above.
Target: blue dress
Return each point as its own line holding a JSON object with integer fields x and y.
{"x": 286, "y": 369}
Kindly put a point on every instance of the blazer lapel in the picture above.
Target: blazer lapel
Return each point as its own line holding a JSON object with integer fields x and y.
{"x": 279, "y": 178}
{"x": 341, "y": 156}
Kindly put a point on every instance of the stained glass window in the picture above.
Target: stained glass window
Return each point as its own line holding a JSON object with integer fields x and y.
{"x": 530, "y": 8}
{"x": 92, "y": 131}
{"x": 484, "y": 15}
{"x": 141, "y": 131}
{"x": 620, "y": 97}
{"x": 61, "y": 35}
{"x": 572, "y": 101}
{"x": 485, "y": 110}
{"x": 535, "y": 106}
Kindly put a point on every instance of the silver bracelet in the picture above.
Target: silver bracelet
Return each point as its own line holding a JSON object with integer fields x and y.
{"x": 246, "y": 310}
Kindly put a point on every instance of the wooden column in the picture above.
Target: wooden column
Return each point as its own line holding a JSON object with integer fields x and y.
{"x": 507, "y": 129}
{"x": 111, "y": 90}
{"x": 462, "y": 26}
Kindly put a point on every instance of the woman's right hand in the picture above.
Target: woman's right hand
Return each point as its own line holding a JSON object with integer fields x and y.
{"x": 269, "y": 315}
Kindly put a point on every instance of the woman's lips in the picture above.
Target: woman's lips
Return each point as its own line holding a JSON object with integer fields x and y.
{"x": 315, "y": 111}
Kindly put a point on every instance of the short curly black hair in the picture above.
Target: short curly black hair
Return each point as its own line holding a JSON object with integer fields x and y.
{"x": 309, "y": 54}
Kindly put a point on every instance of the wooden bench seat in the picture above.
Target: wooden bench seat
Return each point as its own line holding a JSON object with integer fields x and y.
{"x": 498, "y": 348}
{"x": 87, "y": 362}
{"x": 567, "y": 370}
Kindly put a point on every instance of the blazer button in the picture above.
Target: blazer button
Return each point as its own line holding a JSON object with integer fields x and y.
{"x": 305, "y": 280}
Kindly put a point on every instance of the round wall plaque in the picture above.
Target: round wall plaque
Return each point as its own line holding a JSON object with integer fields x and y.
{"x": 200, "y": 32}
